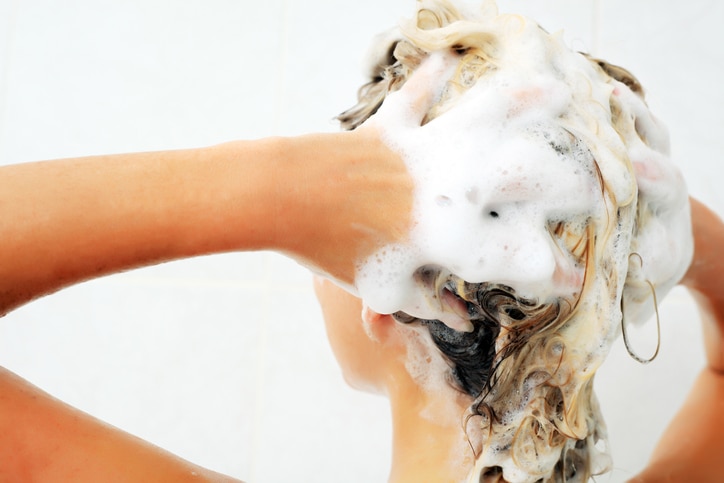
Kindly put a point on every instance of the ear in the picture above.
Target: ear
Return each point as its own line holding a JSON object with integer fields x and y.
{"x": 376, "y": 326}
{"x": 370, "y": 316}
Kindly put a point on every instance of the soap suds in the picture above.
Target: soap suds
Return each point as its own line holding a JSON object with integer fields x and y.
{"x": 541, "y": 171}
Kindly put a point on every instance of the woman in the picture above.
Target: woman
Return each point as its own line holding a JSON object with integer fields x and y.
{"x": 59, "y": 446}
{"x": 509, "y": 396}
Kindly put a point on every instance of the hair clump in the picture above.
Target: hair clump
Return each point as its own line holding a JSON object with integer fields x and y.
{"x": 532, "y": 389}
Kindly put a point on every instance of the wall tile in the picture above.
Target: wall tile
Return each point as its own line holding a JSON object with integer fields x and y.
{"x": 98, "y": 77}
{"x": 173, "y": 364}
{"x": 312, "y": 427}
{"x": 638, "y": 400}
{"x": 326, "y": 43}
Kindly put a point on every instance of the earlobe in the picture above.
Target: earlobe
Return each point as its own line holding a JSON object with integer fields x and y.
{"x": 370, "y": 316}
{"x": 376, "y": 325}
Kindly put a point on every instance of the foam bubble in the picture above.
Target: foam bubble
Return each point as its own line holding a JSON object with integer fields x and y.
{"x": 489, "y": 178}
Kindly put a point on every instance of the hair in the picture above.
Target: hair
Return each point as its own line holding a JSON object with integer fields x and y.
{"x": 516, "y": 353}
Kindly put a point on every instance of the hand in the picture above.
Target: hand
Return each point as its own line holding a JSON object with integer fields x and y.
{"x": 360, "y": 192}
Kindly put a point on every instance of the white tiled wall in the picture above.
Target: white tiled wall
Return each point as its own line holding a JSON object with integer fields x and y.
{"x": 223, "y": 359}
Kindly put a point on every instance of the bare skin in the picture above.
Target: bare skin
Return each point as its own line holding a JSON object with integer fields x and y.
{"x": 75, "y": 219}
{"x": 49, "y": 441}
{"x": 428, "y": 440}
{"x": 327, "y": 200}
{"x": 316, "y": 198}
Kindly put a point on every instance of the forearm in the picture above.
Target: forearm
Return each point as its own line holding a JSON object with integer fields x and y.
{"x": 692, "y": 446}
{"x": 46, "y": 440}
{"x": 711, "y": 310}
{"x": 70, "y": 220}
{"x": 705, "y": 280}
{"x": 327, "y": 200}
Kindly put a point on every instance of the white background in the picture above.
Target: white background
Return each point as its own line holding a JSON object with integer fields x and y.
{"x": 223, "y": 359}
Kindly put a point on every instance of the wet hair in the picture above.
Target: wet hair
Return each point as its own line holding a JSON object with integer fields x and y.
{"x": 486, "y": 366}
{"x": 490, "y": 306}
{"x": 515, "y": 353}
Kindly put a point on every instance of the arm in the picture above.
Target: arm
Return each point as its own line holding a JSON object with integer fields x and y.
{"x": 46, "y": 440}
{"x": 316, "y": 198}
{"x": 327, "y": 200}
{"x": 692, "y": 446}
{"x": 705, "y": 281}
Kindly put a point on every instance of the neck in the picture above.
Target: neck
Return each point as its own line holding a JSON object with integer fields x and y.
{"x": 429, "y": 442}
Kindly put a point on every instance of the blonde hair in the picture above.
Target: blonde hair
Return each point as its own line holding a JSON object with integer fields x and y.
{"x": 561, "y": 435}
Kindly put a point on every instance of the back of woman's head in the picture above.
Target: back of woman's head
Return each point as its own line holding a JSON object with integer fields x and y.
{"x": 528, "y": 364}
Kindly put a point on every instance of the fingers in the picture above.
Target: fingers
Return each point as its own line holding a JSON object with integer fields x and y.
{"x": 704, "y": 273}
{"x": 455, "y": 313}
{"x": 422, "y": 90}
